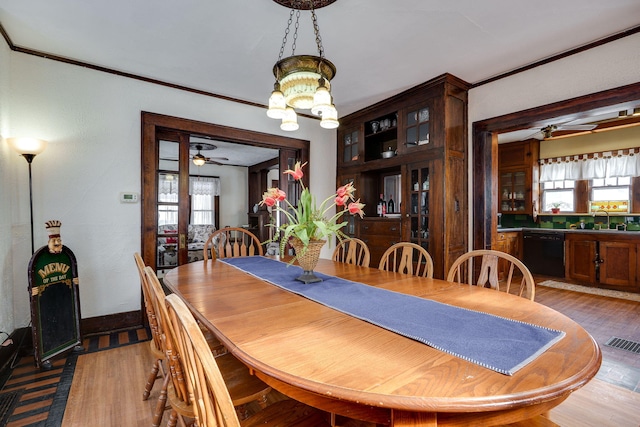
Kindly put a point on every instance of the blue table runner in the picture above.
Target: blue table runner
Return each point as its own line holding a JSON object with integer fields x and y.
{"x": 497, "y": 343}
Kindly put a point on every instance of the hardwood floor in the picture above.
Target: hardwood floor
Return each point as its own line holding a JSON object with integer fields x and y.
{"x": 107, "y": 385}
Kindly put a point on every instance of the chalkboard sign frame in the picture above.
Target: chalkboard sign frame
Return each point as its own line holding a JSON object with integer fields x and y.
{"x": 55, "y": 303}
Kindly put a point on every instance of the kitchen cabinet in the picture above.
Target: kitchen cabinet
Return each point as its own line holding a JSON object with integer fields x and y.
{"x": 509, "y": 242}
{"x": 518, "y": 173}
{"x": 423, "y": 133}
{"x": 601, "y": 259}
{"x": 618, "y": 266}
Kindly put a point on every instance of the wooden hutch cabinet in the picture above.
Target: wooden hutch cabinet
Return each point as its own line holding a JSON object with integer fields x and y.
{"x": 518, "y": 177}
{"x": 423, "y": 135}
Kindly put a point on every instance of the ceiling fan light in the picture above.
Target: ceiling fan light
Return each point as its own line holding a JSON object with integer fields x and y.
{"x": 290, "y": 120}
{"x": 277, "y": 104}
{"x": 199, "y": 159}
{"x": 330, "y": 118}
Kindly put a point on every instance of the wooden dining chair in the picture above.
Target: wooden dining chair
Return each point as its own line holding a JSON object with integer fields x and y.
{"x": 407, "y": 258}
{"x": 487, "y": 273}
{"x": 156, "y": 339}
{"x": 242, "y": 386}
{"x": 352, "y": 251}
{"x": 231, "y": 242}
{"x": 207, "y": 384}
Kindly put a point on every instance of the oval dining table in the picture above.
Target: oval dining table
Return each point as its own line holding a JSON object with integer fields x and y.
{"x": 346, "y": 366}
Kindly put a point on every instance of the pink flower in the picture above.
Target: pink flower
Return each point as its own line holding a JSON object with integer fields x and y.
{"x": 297, "y": 172}
{"x": 268, "y": 200}
{"x": 281, "y": 195}
{"x": 346, "y": 190}
{"x": 356, "y": 208}
{"x": 341, "y": 200}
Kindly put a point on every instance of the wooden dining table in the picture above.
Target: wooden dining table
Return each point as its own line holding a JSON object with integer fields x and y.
{"x": 347, "y": 366}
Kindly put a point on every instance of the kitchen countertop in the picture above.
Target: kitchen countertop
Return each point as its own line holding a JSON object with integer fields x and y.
{"x": 566, "y": 230}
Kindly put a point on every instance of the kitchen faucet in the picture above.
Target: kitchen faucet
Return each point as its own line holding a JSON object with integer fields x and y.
{"x": 605, "y": 212}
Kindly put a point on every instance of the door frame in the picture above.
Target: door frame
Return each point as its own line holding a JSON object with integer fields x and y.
{"x": 152, "y": 123}
{"x": 485, "y": 148}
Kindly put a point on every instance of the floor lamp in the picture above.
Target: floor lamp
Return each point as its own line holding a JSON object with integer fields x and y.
{"x": 29, "y": 148}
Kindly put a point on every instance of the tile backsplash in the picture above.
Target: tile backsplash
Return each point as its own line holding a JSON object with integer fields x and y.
{"x": 560, "y": 221}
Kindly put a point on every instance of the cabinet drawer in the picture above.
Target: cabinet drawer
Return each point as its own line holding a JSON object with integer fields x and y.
{"x": 386, "y": 227}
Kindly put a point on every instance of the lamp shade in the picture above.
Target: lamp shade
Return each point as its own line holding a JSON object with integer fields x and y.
{"x": 277, "y": 105}
{"x": 290, "y": 120}
{"x": 330, "y": 118}
{"x": 199, "y": 159}
{"x": 24, "y": 145}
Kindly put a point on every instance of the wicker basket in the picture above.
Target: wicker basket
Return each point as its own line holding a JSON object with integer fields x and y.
{"x": 307, "y": 259}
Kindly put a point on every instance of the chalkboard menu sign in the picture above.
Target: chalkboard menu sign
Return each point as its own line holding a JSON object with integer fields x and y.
{"x": 55, "y": 302}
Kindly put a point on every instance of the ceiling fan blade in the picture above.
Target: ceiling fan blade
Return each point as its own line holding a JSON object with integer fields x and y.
{"x": 577, "y": 127}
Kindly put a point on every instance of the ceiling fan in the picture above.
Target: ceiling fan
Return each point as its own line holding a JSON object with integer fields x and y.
{"x": 199, "y": 159}
{"x": 547, "y": 131}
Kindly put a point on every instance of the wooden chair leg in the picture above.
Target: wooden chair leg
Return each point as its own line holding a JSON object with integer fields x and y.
{"x": 162, "y": 402}
{"x": 242, "y": 412}
{"x": 151, "y": 379}
{"x": 173, "y": 419}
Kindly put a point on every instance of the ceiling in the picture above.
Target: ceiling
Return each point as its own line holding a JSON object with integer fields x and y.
{"x": 379, "y": 47}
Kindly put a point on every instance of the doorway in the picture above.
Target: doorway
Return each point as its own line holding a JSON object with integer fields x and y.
{"x": 485, "y": 147}
{"x": 176, "y": 134}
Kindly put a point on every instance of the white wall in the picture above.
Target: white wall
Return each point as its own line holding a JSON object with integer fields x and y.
{"x": 6, "y": 180}
{"x": 605, "y": 67}
{"x": 92, "y": 122}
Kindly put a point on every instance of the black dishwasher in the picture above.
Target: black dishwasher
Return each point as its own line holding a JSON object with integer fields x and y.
{"x": 543, "y": 252}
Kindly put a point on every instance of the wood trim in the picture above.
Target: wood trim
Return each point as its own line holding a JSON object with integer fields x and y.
{"x": 111, "y": 322}
{"x": 485, "y": 180}
{"x": 153, "y": 124}
{"x": 562, "y": 55}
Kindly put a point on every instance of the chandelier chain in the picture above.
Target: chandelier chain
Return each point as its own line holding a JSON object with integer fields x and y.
{"x": 295, "y": 33}
{"x": 316, "y": 30}
{"x": 286, "y": 34}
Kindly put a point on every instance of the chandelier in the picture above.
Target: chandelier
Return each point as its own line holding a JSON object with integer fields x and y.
{"x": 302, "y": 81}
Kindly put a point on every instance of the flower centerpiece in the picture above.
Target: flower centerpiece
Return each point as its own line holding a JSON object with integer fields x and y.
{"x": 306, "y": 226}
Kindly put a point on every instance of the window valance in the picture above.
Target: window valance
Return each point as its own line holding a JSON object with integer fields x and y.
{"x": 606, "y": 164}
{"x": 205, "y": 186}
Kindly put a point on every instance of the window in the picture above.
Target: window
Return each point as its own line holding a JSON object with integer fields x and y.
{"x": 203, "y": 191}
{"x": 616, "y": 188}
{"x": 558, "y": 194}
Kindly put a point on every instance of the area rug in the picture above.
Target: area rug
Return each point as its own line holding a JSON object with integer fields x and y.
{"x": 589, "y": 290}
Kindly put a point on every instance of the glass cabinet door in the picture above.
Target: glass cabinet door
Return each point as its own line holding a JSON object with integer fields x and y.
{"x": 513, "y": 192}
{"x": 417, "y": 127}
{"x": 418, "y": 212}
{"x": 350, "y": 146}
{"x": 350, "y": 228}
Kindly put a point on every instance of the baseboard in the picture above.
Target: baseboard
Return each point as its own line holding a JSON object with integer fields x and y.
{"x": 21, "y": 338}
{"x": 111, "y": 322}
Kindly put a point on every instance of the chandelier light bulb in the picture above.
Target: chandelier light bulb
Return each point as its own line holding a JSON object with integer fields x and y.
{"x": 321, "y": 99}
{"x": 330, "y": 118}
{"x": 277, "y": 103}
{"x": 290, "y": 120}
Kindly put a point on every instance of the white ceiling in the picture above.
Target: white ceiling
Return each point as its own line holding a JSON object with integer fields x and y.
{"x": 379, "y": 47}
